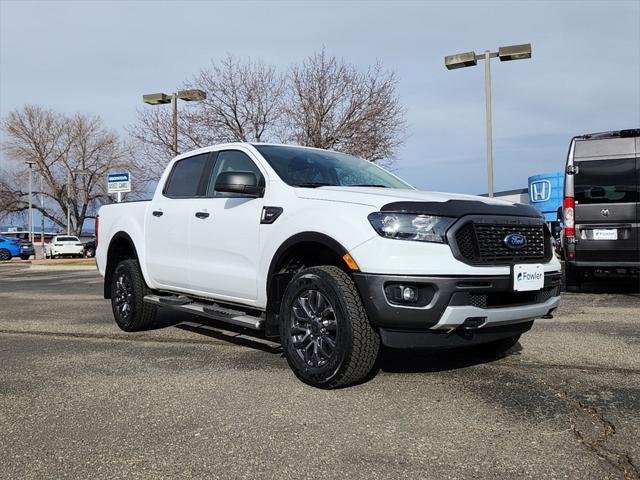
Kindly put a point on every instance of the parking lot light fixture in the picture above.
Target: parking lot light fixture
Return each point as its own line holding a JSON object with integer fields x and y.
{"x": 470, "y": 59}
{"x": 514, "y": 52}
{"x": 192, "y": 95}
{"x": 460, "y": 60}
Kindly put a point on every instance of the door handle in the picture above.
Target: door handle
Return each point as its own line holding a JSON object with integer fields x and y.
{"x": 158, "y": 213}
{"x": 202, "y": 214}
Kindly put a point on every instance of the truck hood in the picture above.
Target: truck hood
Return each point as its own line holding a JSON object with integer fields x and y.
{"x": 378, "y": 197}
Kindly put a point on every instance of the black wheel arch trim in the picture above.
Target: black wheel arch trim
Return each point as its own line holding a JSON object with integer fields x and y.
{"x": 110, "y": 268}
{"x": 303, "y": 237}
{"x": 282, "y": 280}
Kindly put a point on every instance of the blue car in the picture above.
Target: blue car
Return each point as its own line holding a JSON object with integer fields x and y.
{"x": 9, "y": 248}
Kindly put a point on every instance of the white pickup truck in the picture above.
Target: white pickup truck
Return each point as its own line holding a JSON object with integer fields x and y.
{"x": 329, "y": 253}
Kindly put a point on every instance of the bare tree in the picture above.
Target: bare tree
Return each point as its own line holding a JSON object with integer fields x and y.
{"x": 243, "y": 104}
{"x": 244, "y": 100}
{"x": 332, "y": 105}
{"x": 59, "y": 145}
{"x": 323, "y": 102}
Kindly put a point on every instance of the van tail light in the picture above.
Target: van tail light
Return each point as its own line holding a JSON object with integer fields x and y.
{"x": 569, "y": 215}
{"x": 97, "y": 226}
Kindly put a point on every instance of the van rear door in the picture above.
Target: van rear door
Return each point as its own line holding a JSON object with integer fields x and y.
{"x": 606, "y": 202}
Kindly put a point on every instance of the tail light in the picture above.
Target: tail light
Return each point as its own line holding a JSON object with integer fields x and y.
{"x": 569, "y": 214}
{"x": 97, "y": 226}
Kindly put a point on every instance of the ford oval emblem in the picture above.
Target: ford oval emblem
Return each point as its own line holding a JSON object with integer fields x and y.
{"x": 515, "y": 241}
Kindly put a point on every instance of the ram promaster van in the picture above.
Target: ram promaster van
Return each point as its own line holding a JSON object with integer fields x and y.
{"x": 601, "y": 208}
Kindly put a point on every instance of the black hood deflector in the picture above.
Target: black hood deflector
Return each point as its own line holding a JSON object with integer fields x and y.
{"x": 460, "y": 208}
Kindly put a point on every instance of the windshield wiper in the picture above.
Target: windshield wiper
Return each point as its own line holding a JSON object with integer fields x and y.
{"x": 314, "y": 184}
{"x": 367, "y": 185}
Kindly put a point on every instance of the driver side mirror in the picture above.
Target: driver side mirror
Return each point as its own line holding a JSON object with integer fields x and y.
{"x": 243, "y": 183}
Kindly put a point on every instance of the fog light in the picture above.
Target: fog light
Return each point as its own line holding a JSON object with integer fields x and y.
{"x": 401, "y": 293}
{"x": 409, "y": 294}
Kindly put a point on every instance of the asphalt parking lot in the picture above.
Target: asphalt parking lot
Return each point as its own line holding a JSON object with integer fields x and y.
{"x": 81, "y": 399}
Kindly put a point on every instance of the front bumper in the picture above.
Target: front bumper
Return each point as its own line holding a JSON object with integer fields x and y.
{"x": 447, "y": 304}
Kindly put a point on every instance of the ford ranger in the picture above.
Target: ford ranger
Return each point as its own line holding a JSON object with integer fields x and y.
{"x": 331, "y": 254}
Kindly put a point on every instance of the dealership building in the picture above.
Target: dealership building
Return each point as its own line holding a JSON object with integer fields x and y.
{"x": 544, "y": 191}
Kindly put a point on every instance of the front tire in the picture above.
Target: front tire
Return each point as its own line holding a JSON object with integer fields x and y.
{"x": 5, "y": 255}
{"x": 25, "y": 257}
{"x": 90, "y": 252}
{"x": 128, "y": 290}
{"x": 326, "y": 335}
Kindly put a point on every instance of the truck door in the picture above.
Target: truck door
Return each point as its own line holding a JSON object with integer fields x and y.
{"x": 167, "y": 222}
{"x": 606, "y": 209}
{"x": 225, "y": 235}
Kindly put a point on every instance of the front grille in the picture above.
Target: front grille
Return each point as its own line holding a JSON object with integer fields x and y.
{"x": 509, "y": 299}
{"x": 483, "y": 243}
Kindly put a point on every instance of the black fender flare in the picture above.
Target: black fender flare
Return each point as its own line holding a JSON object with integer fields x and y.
{"x": 110, "y": 267}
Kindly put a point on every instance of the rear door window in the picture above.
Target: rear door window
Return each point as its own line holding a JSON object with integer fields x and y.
{"x": 186, "y": 176}
{"x": 606, "y": 181}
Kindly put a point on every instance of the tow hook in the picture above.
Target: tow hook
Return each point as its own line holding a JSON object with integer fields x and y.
{"x": 549, "y": 314}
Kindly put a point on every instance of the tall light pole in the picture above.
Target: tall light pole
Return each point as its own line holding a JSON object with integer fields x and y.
{"x": 162, "y": 98}
{"x": 71, "y": 174}
{"x": 470, "y": 59}
{"x": 42, "y": 212}
{"x": 31, "y": 164}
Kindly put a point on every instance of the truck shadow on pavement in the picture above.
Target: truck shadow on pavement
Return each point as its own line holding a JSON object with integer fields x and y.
{"x": 435, "y": 360}
{"x": 389, "y": 360}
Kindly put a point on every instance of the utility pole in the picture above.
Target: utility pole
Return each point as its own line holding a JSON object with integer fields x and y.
{"x": 174, "y": 133}
{"x": 487, "y": 94}
{"x": 69, "y": 202}
{"x": 70, "y": 176}
{"x": 42, "y": 213}
{"x": 31, "y": 164}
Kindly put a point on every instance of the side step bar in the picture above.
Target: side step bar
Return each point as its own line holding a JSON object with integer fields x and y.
{"x": 213, "y": 311}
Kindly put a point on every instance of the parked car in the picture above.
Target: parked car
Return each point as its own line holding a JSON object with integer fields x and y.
{"x": 90, "y": 249}
{"x": 329, "y": 253}
{"x": 601, "y": 207}
{"x": 64, "y": 246}
{"x": 26, "y": 250}
{"x": 9, "y": 248}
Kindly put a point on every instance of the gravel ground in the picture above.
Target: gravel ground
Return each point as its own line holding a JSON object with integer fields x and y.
{"x": 81, "y": 399}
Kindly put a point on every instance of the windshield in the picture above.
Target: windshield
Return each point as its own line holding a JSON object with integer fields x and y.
{"x": 606, "y": 181}
{"x": 67, "y": 239}
{"x": 305, "y": 167}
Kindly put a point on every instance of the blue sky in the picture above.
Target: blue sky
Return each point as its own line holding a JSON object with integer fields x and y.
{"x": 100, "y": 57}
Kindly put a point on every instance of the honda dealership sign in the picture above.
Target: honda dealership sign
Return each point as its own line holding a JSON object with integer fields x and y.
{"x": 545, "y": 193}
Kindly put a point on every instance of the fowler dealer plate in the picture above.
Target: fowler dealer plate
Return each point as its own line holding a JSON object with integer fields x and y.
{"x": 527, "y": 277}
{"x": 605, "y": 234}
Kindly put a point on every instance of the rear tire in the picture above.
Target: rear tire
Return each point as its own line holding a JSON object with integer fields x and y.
{"x": 128, "y": 290}
{"x": 5, "y": 255}
{"x": 326, "y": 335}
{"x": 90, "y": 252}
{"x": 25, "y": 257}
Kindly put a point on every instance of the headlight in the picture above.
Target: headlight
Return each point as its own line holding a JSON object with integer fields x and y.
{"x": 406, "y": 226}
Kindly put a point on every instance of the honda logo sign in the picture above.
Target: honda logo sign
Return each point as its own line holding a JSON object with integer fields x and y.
{"x": 540, "y": 191}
